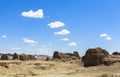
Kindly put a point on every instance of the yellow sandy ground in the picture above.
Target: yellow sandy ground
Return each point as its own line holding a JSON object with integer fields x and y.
{"x": 55, "y": 69}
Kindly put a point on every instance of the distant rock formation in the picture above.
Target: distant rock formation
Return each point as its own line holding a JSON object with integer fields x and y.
{"x": 48, "y": 58}
{"x": 116, "y": 53}
{"x": 97, "y": 56}
{"x": 30, "y": 57}
{"x": 26, "y": 57}
{"x": 76, "y": 54}
{"x": 94, "y": 57}
{"x": 23, "y": 57}
{"x": 57, "y": 55}
{"x": 15, "y": 56}
{"x": 66, "y": 56}
{"x": 4, "y": 57}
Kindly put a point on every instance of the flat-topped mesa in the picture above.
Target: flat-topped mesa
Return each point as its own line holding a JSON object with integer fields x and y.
{"x": 94, "y": 57}
{"x": 4, "y": 57}
{"x": 66, "y": 56}
{"x": 23, "y": 57}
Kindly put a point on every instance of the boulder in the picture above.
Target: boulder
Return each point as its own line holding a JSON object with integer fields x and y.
{"x": 48, "y": 58}
{"x": 94, "y": 57}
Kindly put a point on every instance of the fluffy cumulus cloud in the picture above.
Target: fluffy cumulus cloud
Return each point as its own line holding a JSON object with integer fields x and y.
{"x": 106, "y": 36}
{"x": 29, "y": 41}
{"x": 56, "y": 24}
{"x": 72, "y": 44}
{"x": 65, "y": 39}
{"x": 33, "y": 14}
{"x": 3, "y": 36}
{"x": 62, "y": 32}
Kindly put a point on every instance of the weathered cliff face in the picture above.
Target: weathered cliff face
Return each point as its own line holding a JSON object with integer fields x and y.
{"x": 66, "y": 56}
{"x": 4, "y": 57}
{"x": 97, "y": 56}
{"x": 94, "y": 56}
{"x": 116, "y": 53}
{"x": 23, "y": 57}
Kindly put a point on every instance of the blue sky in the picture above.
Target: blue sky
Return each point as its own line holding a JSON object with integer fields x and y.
{"x": 43, "y": 26}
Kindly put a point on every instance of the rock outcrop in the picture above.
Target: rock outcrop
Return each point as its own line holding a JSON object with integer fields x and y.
{"x": 4, "y": 57}
{"x": 57, "y": 55}
{"x": 30, "y": 57}
{"x": 23, "y": 57}
{"x": 66, "y": 56}
{"x": 26, "y": 57}
{"x": 15, "y": 56}
{"x": 48, "y": 58}
{"x": 94, "y": 57}
{"x": 116, "y": 53}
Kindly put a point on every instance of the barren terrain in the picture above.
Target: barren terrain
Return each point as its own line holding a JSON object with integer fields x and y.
{"x": 39, "y": 68}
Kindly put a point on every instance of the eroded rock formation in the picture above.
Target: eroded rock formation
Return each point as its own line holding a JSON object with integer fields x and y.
{"x": 94, "y": 57}
{"x": 4, "y": 57}
{"x": 66, "y": 56}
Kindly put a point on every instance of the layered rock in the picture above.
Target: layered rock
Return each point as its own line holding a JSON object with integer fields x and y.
{"x": 66, "y": 56}
{"x": 23, "y": 57}
{"x": 4, "y": 57}
{"x": 15, "y": 56}
{"x": 111, "y": 60}
{"x": 116, "y": 53}
{"x": 94, "y": 57}
{"x": 57, "y": 55}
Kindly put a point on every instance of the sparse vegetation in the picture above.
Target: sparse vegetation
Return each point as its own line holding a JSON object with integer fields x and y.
{"x": 62, "y": 65}
{"x": 107, "y": 75}
{"x": 32, "y": 73}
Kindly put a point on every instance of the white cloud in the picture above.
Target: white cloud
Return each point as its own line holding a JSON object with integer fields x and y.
{"x": 29, "y": 41}
{"x": 62, "y": 32}
{"x": 72, "y": 44}
{"x": 33, "y": 14}
{"x": 65, "y": 39}
{"x": 106, "y": 36}
{"x": 56, "y": 24}
{"x": 103, "y": 35}
{"x": 3, "y": 36}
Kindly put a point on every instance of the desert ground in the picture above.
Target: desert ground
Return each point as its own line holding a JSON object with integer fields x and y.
{"x": 38, "y": 68}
